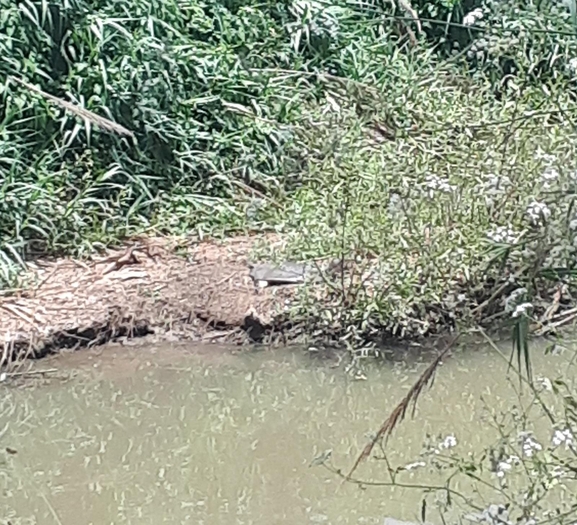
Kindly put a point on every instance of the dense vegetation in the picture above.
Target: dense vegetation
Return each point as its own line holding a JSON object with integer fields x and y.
{"x": 434, "y": 140}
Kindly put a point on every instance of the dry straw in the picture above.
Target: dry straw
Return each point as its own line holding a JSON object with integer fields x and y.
{"x": 95, "y": 119}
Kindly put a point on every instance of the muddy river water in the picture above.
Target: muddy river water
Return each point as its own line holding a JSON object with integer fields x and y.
{"x": 176, "y": 434}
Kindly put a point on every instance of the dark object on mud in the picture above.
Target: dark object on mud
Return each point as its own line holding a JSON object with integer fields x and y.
{"x": 291, "y": 273}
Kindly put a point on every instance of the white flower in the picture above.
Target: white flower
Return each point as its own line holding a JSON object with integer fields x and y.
{"x": 449, "y": 442}
{"x": 562, "y": 436}
{"x": 545, "y": 383}
{"x": 502, "y": 234}
{"x": 502, "y": 468}
{"x": 572, "y": 65}
{"x": 538, "y": 211}
{"x": 505, "y": 466}
{"x": 434, "y": 183}
{"x": 521, "y": 309}
{"x": 471, "y": 17}
{"x": 549, "y": 175}
{"x": 529, "y": 444}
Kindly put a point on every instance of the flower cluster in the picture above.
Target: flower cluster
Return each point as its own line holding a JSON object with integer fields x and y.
{"x": 478, "y": 49}
{"x": 449, "y": 442}
{"x": 545, "y": 383}
{"x": 529, "y": 444}
{"x": 549, "y": 176}
{"x": 506, "y": 465}
{"x": 502, "y": 235}
{"x": 545, "y": 157}
{"x": 561, "y": 437}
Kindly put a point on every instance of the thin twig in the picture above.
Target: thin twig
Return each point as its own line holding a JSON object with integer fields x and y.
{"x": 32, "y": 372}
{"x": 443, "y": 488}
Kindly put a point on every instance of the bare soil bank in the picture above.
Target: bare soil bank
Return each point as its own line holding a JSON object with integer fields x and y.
{"x": 167, "y": 289}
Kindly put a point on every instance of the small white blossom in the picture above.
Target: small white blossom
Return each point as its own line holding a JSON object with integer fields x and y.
{"x": 502, "y": 468}
{"x": 538, "y": 211}
{"x": 472, "y": 16}
{"x": 549, "y": 176}
{"x": 502, "y": 235}
{"x": 529, "y": 444}
{"x": 545, "y": 383}
{"x": 506, "y": 465}
{"x": 478, "y": 49}
{"x": 572, "y": 65}
{"x": 434, "y": 183}
{"x": 561, "y": 437}
{"x": 521, "y": 309}
{"x": 449, "y": 442}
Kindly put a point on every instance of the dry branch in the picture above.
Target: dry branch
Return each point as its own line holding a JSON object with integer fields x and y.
{"x": 398, "y": 414}
{"x": 85, "y": 114}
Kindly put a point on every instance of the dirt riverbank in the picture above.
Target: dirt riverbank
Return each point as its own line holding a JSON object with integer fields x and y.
{"x": 164, "y": 289}
{"x": 175, "y": 290}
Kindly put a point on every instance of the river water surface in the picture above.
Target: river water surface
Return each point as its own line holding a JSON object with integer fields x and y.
{"x": 154, "y": 435}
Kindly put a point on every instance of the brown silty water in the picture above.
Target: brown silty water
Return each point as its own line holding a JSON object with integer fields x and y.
{"x": 202, "y": 435}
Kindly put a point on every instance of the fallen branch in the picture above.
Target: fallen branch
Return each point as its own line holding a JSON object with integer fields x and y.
{"x": 84, "y": 114}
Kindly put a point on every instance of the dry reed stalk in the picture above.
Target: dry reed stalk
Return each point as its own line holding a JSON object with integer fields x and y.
{"x": 398, "y": 414}
{"x": 85, "y": 114}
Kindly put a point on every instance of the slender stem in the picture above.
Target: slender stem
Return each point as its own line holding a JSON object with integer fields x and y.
{"x": 444, "y": 488}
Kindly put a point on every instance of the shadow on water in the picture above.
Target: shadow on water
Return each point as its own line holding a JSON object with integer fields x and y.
{"x": 208, "y": 435}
